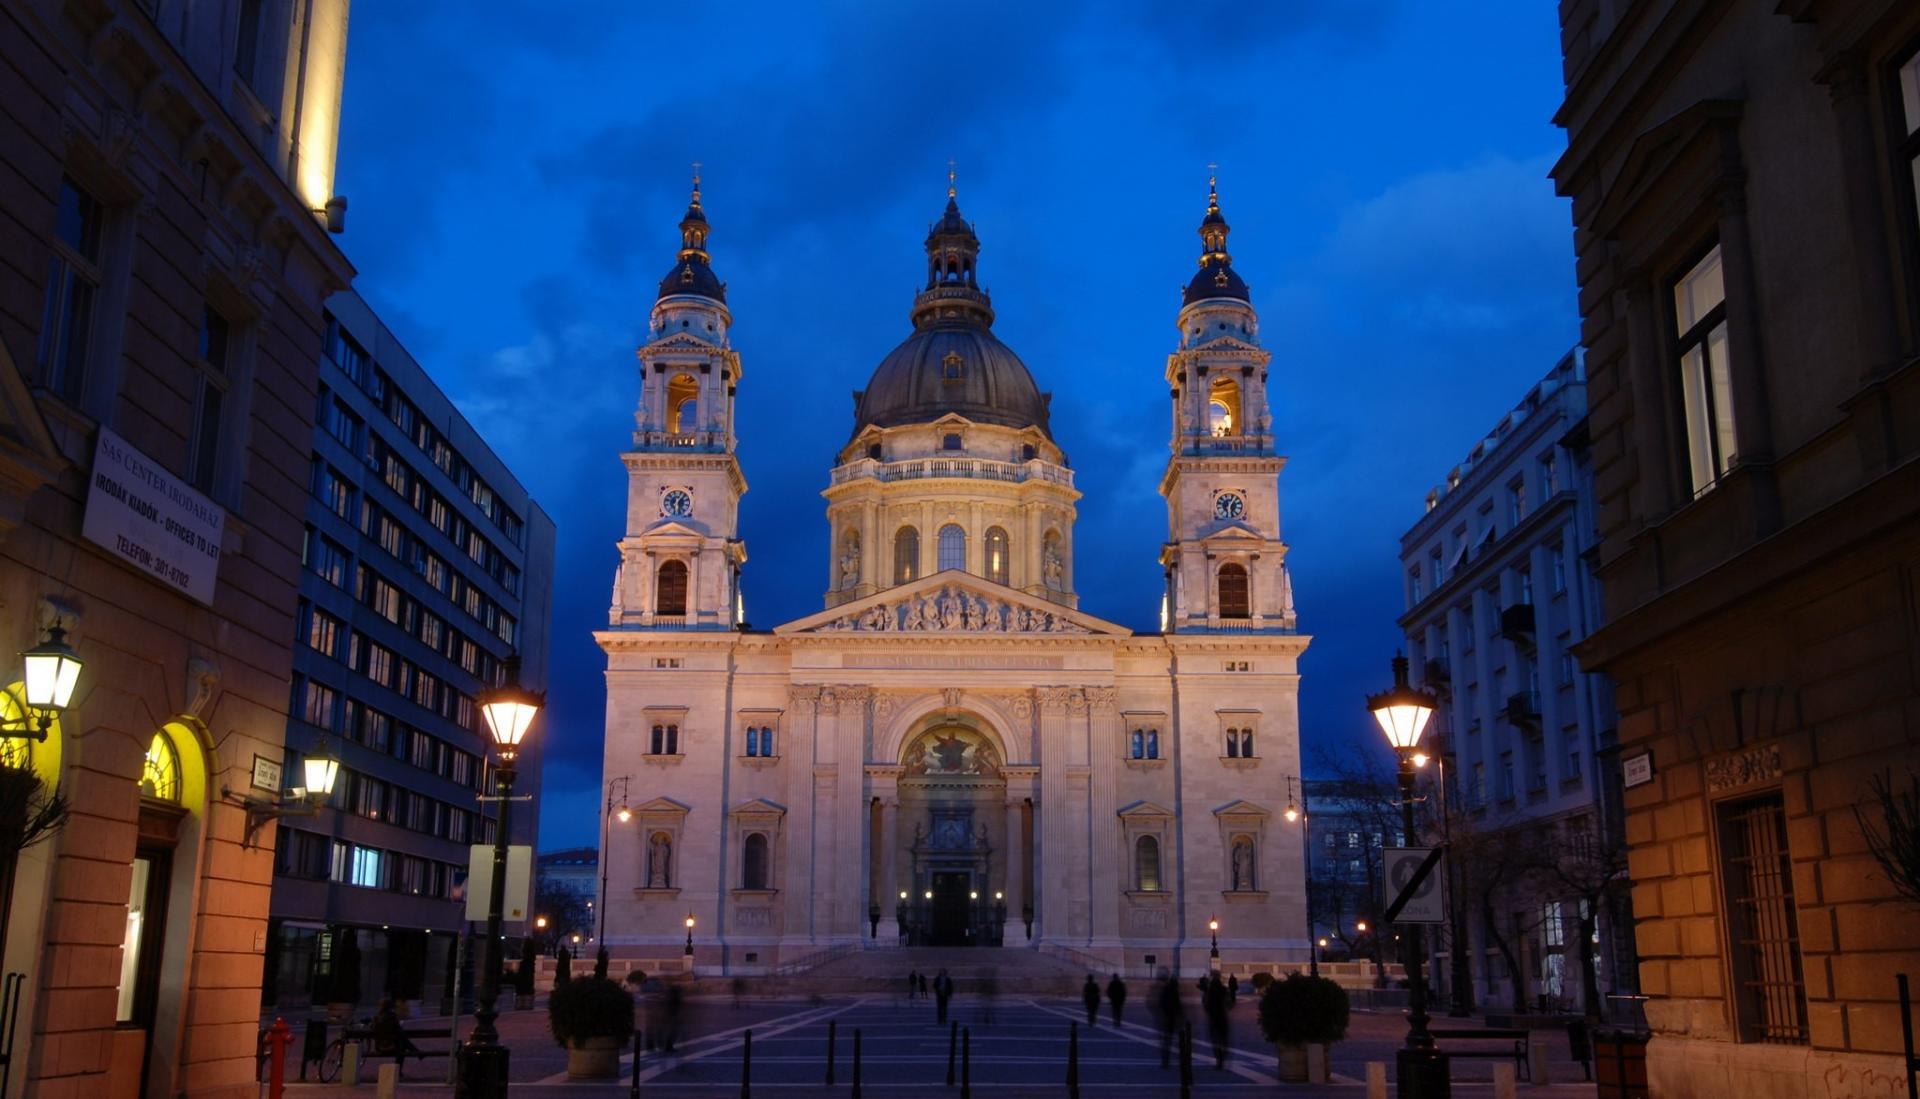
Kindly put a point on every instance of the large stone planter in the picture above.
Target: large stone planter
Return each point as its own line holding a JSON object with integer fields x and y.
{"x": 1305, "y": 1064}
{"x": 594, "y": 1059}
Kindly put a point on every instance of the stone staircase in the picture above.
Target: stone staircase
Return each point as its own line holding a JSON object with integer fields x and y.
{"x": 1011, "y": 971}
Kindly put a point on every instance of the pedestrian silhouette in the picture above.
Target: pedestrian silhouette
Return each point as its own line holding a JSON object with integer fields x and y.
{"x": 913, "y": 984}
{"x": 1168, "y": 1014}
{"x": 1117, "y": 996}
{"x": 1090, "y": 996}
{"x": 942, "y": 992}
{"x": 1213, "y": 1000}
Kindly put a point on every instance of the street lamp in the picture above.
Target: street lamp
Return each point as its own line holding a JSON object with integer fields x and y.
{"x": 1403, "y": 712}
{"x": 689, "y": 932}
{"x": 52, "y": 671}
{"x": 1296, "y": 812}
{"x": 607, "y": 814}
{"x": 509, "y": 710}
{"x": 1214, "y": 954}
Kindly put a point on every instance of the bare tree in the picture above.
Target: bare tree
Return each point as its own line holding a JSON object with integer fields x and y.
{"x": 1586, "y": 865}
{"x": 1894, "y": 839}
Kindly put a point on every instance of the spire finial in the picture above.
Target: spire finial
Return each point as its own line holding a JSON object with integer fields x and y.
{"x": 952, "y": 191}
{"x": 1213, "y": 188}
{"x": 696, "y": 183}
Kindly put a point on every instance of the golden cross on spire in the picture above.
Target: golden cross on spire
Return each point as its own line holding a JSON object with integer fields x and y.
{"x": 952, "y": 191}
{"x": 1213, "y": 188}
{"x": 696, "y": 182}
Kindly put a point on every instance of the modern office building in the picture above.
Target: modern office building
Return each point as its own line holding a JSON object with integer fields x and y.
{"x": 427, "y": 567}
{"x": 1499, "y": 590}
{"x": 1745, "y": 180}
{"x": 166, "y": 184}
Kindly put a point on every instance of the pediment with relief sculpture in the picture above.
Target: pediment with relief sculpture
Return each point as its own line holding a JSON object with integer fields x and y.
{"x": 952, "y": 602}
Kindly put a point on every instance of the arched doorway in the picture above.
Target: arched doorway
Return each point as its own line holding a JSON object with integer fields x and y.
{"x": 952, "y": 846}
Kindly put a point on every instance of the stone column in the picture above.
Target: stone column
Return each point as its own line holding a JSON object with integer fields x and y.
{"x": 1103, "y": 883}
{"x": 1052, "y": 864}
{"x": 803, "y": 839}
{"x": 882, "y": 783}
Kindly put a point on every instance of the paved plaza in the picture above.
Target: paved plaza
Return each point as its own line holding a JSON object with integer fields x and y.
{"x": 1019, "y": 1048}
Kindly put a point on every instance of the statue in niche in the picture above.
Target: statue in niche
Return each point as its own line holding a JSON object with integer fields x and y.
{"x": 1243, "y": 864}
{"x": 850, "y": 564}
{"x": 660, "y": 862}
{"x": 1052, "y": 567}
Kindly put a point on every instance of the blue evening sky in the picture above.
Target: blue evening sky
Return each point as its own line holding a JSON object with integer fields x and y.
{"x": 516, "y": 170}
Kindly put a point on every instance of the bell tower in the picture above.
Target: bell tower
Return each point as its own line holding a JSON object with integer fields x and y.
{"x": 681, "y": 554}
{"x": 1224, "y": 562}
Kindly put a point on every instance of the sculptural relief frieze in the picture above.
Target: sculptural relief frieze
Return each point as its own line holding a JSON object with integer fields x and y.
{"x": 954, "y": 610}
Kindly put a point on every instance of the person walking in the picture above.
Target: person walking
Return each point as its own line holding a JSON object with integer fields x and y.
{"x": 989, "y": 991}
{"x": 1117, "y": 997}
{"x": 913, "y": 985}
{"x": 1213, "y": 1000}
{"x": 1090, "y": 996}
{"x": 1233, "y": 990}
{"x": 942, "y": 992}
{"x": 1168, "y": 1015}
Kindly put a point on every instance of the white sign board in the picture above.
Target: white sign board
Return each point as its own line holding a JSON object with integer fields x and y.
{"x": 152, "y": 520}
{"x": 1636, "y": 770}
{"x": 480, "y": 882}
{"x": 1424, "y": 903}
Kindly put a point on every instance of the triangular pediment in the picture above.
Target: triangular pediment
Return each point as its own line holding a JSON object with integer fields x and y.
{"x": 948, "y": 603}
{"x": 671, "y": 527}
{"x": 1226, "y": 341}
{"x": 758, "y": 807}
{"x": 1241, "y": 808}
{"x": 1145, "y": 810}
{"x": 679, "y": 341}
{"x": 1234, "y": 530}
{"x": 660, "y": 805}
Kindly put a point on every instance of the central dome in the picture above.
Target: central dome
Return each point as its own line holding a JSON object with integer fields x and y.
{"x": 953, "y": 363}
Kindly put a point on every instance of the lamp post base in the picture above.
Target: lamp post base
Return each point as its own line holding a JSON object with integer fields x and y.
{"x": 483, "y": 1073}
{"x": 1423, "y": 1074}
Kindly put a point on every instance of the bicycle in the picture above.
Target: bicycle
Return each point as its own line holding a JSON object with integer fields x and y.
{"x": 336, "y": 1052}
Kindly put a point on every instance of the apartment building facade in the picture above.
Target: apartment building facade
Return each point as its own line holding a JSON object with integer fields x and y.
{"x": 1498, "y": 593}
{"x": 166, "y": 184}
{"x": 1744, "y": 181}
{"x": 427, "y": 566}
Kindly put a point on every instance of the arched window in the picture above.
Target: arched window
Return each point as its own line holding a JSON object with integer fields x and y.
{"x": 1138, "y": 744}
{"x": 670, "y": 588}
{"x": 683, "y": 404}
{"x": 753, "y": 862}
{"x": 1246, "y": 744}
{"x": 998, "y": 552}
{"x": 906, "y": 555}
{"x": 160, "y": 772}
{"x": 1233, "y": 744}
{"x": 1233, "y": 591}
{"x": 953, "y": 547}
{"x": 1146, "y": 864}
{"x": 1223, "y": 408}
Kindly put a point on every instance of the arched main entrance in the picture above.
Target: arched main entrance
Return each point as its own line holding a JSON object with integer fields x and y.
{"x": 952, "y": 844}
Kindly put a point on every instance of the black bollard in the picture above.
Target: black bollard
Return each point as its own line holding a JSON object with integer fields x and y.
{"x": 966, "y": 1063}
{"x": 832, "y": 1024}
{"x": 953, "y": 1046}
{"x": 1186, "y": 1062}
{"x": 856, "y": 1063}
{"x": 633, "y": 1092}
{"x": 746, "y": 1066}
{"x": 1073, "y": 1061}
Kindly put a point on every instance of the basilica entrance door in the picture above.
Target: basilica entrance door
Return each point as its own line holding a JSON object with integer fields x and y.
{"x": 951, "y": 909}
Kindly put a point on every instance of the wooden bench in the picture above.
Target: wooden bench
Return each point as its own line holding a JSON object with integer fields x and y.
{"x": 360, "y": 1044}
{"x": 1517, "y": 1050}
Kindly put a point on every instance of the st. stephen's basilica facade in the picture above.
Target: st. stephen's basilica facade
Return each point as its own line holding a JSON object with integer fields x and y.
{"x": 953, "y": 751}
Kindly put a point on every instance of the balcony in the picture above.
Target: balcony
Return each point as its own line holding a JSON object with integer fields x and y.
{"x": 1523, "y": 710}
{"x": 706, "y": 442}
{"x": 1516, "y": 624}
{"x": 982, "y": 469}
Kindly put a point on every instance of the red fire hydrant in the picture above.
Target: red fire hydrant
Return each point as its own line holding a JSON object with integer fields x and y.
{"x": 279, "y": 1037}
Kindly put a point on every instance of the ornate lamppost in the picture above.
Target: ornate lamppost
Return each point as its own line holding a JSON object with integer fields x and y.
{"x": 1403, "y": 712}
{"x": 1213, "y": 955}
{"x": 509, "y": 710}
{"x": 689, "y": 933}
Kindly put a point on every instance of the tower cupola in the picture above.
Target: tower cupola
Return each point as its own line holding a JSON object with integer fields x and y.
{"x": 1216, "y": 277}
{"x": 952, "y": 296}
{"x": 692, "y": 272}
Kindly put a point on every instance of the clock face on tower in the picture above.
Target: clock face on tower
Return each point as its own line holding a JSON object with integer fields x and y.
{"x": 678, "y": 503}
{"x": 1228, "y": 505}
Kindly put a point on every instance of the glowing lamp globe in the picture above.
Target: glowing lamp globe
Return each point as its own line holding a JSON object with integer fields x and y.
{"x": 1402, "y": 711}
{"x": 509, "y": 710}
{"x": 321, "y": 771}
{"x": 53, "y": 668}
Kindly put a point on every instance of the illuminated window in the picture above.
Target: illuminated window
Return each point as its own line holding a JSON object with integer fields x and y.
{"x": 998, "y": 550}
{"x": 1706, "y": 383}
{"x": 683, "y": 405}
{"x": 1223, "y": 407}
{"x": 906, "y": 554}
{"x": 670, "y": 588}
{"x": 1146, "y": 864}
{"x": 160, "y": 773}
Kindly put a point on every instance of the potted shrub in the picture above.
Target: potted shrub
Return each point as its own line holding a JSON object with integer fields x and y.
{"x": 593, "y": 1018}
{"x": 1303, "y": 1016}
{"x": 523, "y": 978}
